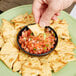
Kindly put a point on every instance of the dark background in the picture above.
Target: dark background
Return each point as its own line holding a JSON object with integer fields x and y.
{"x": 7, "y": 4}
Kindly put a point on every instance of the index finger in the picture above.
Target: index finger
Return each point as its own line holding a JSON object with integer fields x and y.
{"x": 36, "y": 9}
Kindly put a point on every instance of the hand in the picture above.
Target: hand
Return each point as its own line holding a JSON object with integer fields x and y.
{"x": 44, "y": 10}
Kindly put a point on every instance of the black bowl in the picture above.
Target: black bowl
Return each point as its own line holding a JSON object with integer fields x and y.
{"x": 26, "y": 28}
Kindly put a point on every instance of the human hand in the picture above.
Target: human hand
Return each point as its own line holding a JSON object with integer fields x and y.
{"x": 44, "y": 10}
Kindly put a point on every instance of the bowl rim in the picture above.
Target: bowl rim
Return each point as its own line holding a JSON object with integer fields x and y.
{"x": 43, "y": 54}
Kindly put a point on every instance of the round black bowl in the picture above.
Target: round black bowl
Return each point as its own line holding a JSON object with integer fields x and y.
{"x": 26, "y": 28}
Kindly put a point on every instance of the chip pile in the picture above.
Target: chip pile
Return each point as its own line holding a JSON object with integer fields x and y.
{"x": 28, "y": 65}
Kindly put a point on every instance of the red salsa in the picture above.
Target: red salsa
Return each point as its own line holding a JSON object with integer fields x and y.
{"x": 37, "y": 44}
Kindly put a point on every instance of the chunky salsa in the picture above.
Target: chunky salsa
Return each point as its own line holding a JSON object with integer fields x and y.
{"x": 40, "y": 44}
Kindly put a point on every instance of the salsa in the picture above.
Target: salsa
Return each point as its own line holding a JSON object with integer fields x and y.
{"x": 40, "y": 44}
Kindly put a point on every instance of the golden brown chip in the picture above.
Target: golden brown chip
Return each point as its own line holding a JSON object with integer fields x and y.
{"x": 9, "y": 33}
{"x": 33, "y": 63}
{"x": 8, "y": 59}
{"x": 44, "y": 59}
{"x": 8, "y": 54}
{"x": 57, "y": 65}
{"x": 20, "y": 18}
{"x": 7, "y": 30}
{"x": 46, "y": 70}
{"x": 53, "y": 57}
{"x": 61, "y": 27}
{"x": 8, "y": 48}
{"x": 6, "y": 25}
{"x": 24, "y": 19}
{"x": 31, "y": 72}
{"x": 67, "y": 57}
{"x": 63, "y": 45}
{"x": 31, "y": 68}
{"x": 23, "y": 56}
{"x": 16, "y": 66}
{"x": 36, "y": 29}
{"x": 1, "y": 41}
{"x": 19, "y": 25}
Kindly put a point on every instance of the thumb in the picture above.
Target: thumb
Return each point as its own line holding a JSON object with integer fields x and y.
{"x": 45, "y": 18}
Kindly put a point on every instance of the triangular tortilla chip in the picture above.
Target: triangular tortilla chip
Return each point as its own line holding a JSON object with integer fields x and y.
{"x": 36, "y": 29}
{"x": 23, "y": 56}
{"x": 9, "y": 54}
{"x": 20, "y": 18}
{"x": 1, "y": 41}
{"x": 8, "y": 30}
{"x": 33, "y": 63}
{"x": 27, "y": 71}
{"x": 8, "y": 48}
{"x": 65, "y": 46}
{"x": 9, "y": 59}
{"x": 46, "y": 70}
{"x": 16, "y": 66}
{"x": 57, "y": 65}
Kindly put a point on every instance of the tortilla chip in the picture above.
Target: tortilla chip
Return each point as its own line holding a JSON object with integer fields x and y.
{"x": 31, "y": 19}
{"x": 16, "y": 66}
{"x": 8, "y": 59}
{"x": 44, "y": 59}
{"x": 31, "y": 72}
{"x": 23, "y": 56}
{"x": 1, "y": 41}
{"x": 57, "y": 65}
{"x": 19, "y": 25}
{"x": 24, "y": 19}
{"x": 6, "y": 25}
{"x": 33, "y": 63}
{"x": 36, "y": 29}
{"x": 61, "y": 27}
{"x": 65, "y": 58}
{"x": 63, "y": 47}
{"x": 63, "y": 33}
{"x": 8, "y": 54}
{"x": 9, "y": 33}
{"x": 20, "y": 18}
{"x": 8, "y": 48}
{"x": 46, "y": 70}
{"x": 53, "y": 57}
{"x": 7, "y": 30}
{"x": 30, "y": 69}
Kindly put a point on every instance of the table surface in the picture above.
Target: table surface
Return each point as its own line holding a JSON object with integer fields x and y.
{"x": 7, "y": 4}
